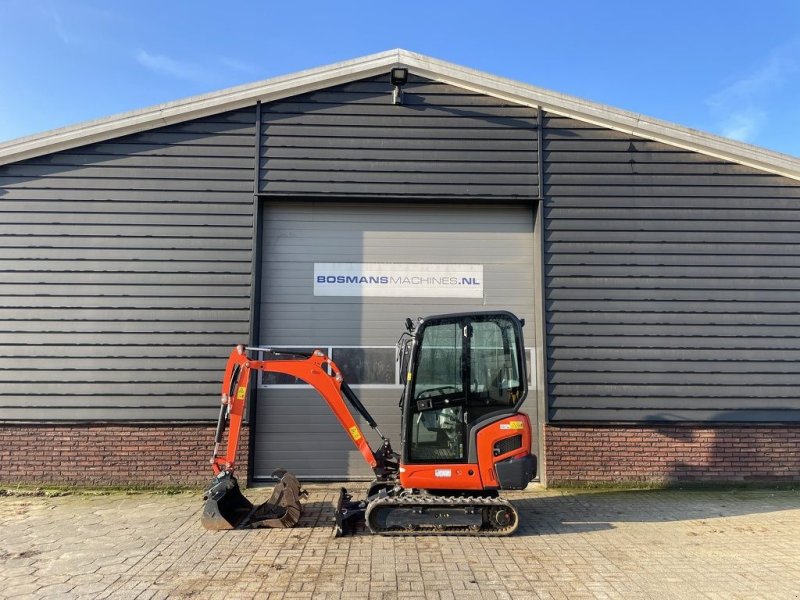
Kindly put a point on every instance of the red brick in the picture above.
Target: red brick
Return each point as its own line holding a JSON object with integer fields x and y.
{"x": 657, "y": 453}
{"x": 169, "y": 454}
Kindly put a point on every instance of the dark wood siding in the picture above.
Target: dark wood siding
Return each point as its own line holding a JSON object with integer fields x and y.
{"x": 350, "y": 140}
{"x": 672, "y": 278}
{"x": 126, "y": 273}
{"x": 672, "y": 282}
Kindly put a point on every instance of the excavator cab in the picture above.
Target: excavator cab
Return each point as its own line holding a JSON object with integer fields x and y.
{"x": 463, "y": 368}
{"x": 466, "y": 381}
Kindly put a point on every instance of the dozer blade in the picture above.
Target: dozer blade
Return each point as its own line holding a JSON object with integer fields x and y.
{"x": 226, "y": 507}
{"x": 349, "y": 515}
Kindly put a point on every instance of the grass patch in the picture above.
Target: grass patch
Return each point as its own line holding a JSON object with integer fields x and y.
{"x": 709, "y": 486}
{"x": 609, "y": 486}
{"x": 54, "y": 491}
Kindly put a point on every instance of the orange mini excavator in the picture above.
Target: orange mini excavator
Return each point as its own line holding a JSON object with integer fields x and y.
{"x": 463, "y": 437}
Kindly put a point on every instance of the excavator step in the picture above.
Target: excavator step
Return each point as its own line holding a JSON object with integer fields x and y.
{"x": 227, "y": 508}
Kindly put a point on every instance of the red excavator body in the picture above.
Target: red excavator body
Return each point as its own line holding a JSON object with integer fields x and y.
{"x": 463, "y": 437}
{"x": 508, "y": 438}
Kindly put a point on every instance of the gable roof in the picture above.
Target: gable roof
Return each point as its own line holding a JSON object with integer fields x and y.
{"x": 376, "y": 64}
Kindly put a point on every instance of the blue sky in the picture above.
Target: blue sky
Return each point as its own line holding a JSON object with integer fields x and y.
{"x": 731, "y": 68}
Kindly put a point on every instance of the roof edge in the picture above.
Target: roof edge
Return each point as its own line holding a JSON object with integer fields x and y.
{"x": 374, "y": 64}
{"x": 194, "y": 107}
{"x": 605, "y": 116}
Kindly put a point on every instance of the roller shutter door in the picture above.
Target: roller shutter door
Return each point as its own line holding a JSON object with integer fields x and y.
{"x": 294, "y": 428}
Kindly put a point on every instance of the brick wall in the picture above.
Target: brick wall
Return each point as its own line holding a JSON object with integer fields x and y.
{"x": 178, "y": 454}
{"x": 671, "y": 453}
{"x": 104, "y": 454}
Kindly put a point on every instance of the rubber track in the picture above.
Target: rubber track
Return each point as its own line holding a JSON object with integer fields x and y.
{"x": 430, "y": 501}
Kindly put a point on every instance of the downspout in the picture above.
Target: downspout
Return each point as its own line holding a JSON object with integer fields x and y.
{"x": 540, "y": 300}
{"x": 255, "y": 290}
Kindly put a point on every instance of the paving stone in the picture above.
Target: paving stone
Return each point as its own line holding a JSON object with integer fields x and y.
{"x": 584, "y": 544}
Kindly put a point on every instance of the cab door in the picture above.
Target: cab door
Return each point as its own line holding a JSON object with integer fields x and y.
{"x": 437, "y": 402}
{"x": 465, "y": 368}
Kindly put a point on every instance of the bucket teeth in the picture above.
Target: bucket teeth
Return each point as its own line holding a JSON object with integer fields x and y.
{"x": 226, "y": 507}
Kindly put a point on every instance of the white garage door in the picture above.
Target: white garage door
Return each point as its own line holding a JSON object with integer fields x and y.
{"x": 294, "y": 428}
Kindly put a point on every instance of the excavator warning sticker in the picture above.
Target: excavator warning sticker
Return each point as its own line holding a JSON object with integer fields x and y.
{"x": 240, "y": 393}
{"x": 355, "y": 433}
{"x": 511, "y": 425}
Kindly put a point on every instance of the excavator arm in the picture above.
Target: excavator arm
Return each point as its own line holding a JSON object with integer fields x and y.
{"x": 225, "y": 506}
{"x": 317, "y": 370}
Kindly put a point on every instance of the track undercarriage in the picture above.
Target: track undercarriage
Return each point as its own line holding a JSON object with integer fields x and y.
{"x": 396, "y": 511}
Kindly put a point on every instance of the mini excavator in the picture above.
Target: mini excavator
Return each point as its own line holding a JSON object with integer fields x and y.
{"x": 463, "y": 437}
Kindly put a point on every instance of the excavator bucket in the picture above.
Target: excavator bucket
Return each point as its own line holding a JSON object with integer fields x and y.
{"x": 226, "y": 507}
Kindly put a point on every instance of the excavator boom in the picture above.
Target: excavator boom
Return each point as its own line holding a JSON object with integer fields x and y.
{"x": 317, "y": 370}
{"x": 226, "y": 507}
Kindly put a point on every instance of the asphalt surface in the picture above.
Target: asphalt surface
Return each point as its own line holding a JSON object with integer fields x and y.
{"x": 588, "y": 544}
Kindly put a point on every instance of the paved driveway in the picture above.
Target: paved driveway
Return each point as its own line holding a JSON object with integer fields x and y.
{"x": 648, "y": 544}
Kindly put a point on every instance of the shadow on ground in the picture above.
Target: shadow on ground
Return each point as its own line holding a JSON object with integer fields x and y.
{"x": 584, "y": 511}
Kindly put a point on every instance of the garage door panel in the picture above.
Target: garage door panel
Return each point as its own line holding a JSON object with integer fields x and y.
{"x": 299, "y": 294}
{"x": 485, "y": 251}
{"x": 351, "y": 325}
{"x": 322, "y": 466}
{"x": 294, "y": 428}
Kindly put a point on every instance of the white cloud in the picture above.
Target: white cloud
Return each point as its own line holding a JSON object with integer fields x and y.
{"x": 165, "y": 65}
{"x": 739, "y": 107}
{"x": 744, "y": 125}
{"x": 236, "y": 65}
{"x": 58, "y": 24}
{"x": 211, "y": 71}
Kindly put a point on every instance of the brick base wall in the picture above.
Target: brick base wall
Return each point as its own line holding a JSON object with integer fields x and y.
{"x": 671, "y": 453}
{"x": 101, "y": 454}
{"x": 105, "y": 454}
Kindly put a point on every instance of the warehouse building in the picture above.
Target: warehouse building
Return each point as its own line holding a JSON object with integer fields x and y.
{"x": 657, "y": 268}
